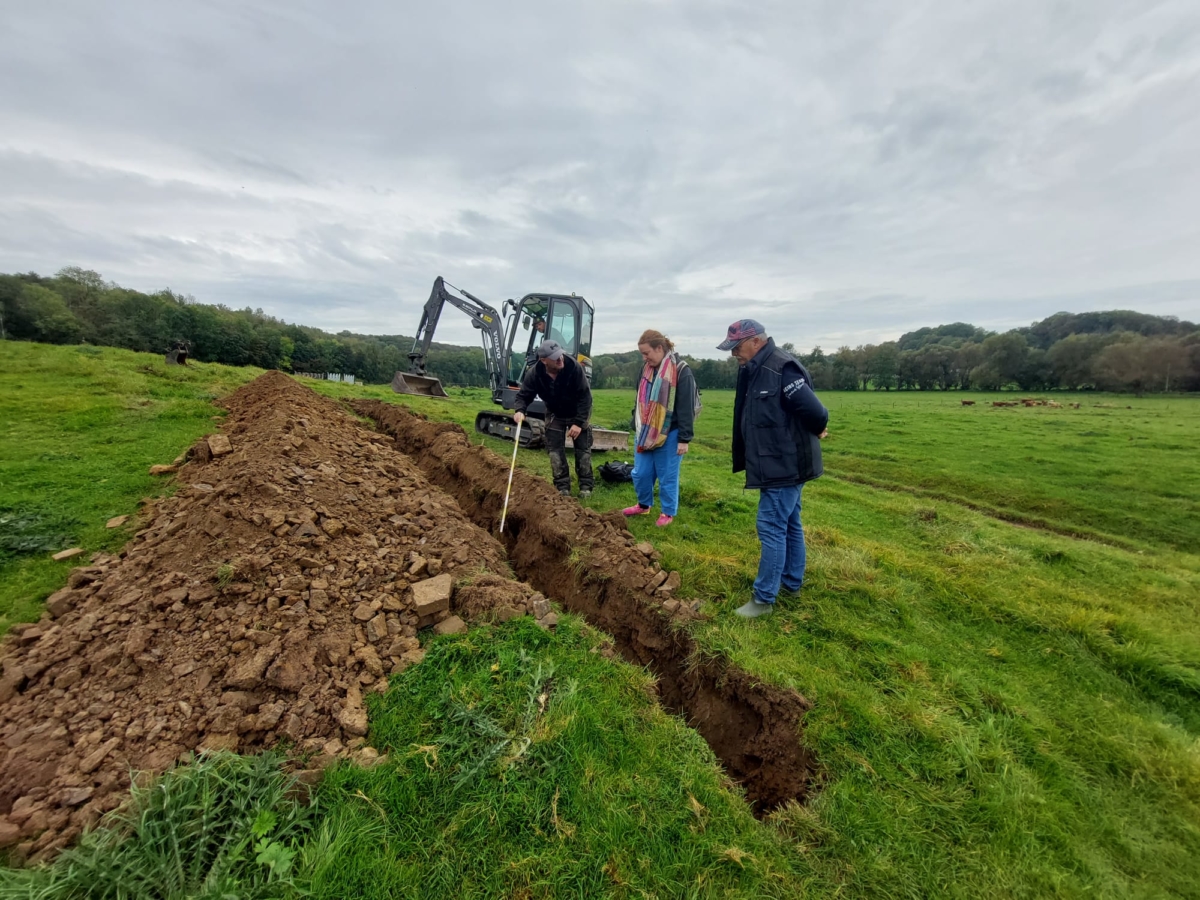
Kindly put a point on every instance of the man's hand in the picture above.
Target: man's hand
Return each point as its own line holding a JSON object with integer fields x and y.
{"x": 574, "y": 431}
{"x": 824, "y": 434}
{"x": 683, "y": 448}
{"x": 518, "y": 418}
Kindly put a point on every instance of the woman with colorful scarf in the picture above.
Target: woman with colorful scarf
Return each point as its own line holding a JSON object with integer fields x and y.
{"x": 662, "y": 421}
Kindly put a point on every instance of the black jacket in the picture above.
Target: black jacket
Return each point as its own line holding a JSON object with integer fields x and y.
{"x": 567, "y": 397}
{"x": 683, "y": 416}
{"x": 776, "y": 420}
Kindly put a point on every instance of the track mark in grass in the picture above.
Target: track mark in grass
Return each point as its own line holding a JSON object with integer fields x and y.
{"x": 1020, "y": 520}
{"x": 564, "y": 830}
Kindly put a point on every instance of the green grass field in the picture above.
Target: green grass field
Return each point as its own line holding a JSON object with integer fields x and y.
{"x": 79, "y": 429}
{"x": 999, "y": 632}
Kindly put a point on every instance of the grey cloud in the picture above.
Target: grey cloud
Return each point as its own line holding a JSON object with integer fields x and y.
{"x": 851, "y": 170}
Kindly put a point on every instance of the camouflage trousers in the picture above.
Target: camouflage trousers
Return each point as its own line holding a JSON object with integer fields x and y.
{"x": 556, "y": 445}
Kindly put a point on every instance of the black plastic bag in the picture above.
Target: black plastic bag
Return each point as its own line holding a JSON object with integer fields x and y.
{"x": 617, "y": 472}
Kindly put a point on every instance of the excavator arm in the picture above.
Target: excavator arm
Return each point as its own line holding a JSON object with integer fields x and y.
{"x": 482, "y": 316}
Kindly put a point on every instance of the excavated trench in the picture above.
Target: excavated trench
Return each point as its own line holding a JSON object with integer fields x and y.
{"x": 590, "y": 563}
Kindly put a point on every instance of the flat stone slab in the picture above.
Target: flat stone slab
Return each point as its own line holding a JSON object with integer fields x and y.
{"x": 218, "y": 445}
{"x": 116, "y": 521}
{"x": 432, "y": 595}
{"x": 67, "y": 554}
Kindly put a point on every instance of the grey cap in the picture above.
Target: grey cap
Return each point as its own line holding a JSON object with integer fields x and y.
{"x": 550, "y": 350}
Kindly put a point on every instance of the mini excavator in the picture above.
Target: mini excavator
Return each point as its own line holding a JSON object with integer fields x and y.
{"x": 507, "y": 354}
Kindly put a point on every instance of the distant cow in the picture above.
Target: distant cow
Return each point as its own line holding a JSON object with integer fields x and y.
{"x": 968, "y": 403}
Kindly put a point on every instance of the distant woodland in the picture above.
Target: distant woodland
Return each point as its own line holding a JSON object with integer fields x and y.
{"x": 1119, "y": 350}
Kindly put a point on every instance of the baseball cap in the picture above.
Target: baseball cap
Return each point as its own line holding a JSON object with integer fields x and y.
{"x": 550, "y": 350}
{"x": 739, "y": 331}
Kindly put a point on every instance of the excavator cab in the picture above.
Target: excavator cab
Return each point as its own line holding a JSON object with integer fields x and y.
{"x": 541, "y": 317}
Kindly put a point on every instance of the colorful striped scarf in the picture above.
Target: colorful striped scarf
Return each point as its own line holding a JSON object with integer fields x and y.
{"x": 655, "y": 404}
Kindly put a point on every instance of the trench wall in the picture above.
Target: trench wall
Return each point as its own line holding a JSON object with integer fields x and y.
{"x": 589, "y": 563}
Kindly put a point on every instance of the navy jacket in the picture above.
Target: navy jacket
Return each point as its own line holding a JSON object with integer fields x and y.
{"x": 567, "y": 397}
{"x": 776, "y": 420}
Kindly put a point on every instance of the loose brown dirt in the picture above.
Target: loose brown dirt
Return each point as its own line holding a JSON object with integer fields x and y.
{"x": 287, "y": 577}
{"x": 590, "y": 563}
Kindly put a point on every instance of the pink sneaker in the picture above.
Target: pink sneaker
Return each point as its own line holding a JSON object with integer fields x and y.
{"x": 635, "y": 510}
{"x": 664, "y": 520}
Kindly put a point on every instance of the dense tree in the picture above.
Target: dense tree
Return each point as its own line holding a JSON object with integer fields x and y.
{"x": 883, "y": 365}
{"x": 1136, "y": 363}
{"x": 820, "y": 368}
{"x": 1059, "y": 326}
{"x": 844, "y": 371}
{"x": 1004, "y": 359}
{"x": 1072, "y": 359}
{"x": 967, "y": 359}
{"x": 953, "y": 335}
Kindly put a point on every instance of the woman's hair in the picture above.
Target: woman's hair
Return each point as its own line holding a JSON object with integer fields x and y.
{"x": 657, "y": 340}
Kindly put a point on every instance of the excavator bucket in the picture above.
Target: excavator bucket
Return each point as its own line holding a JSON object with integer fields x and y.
{"x": 420, "y": 385}
{"x": 603, "y": 439}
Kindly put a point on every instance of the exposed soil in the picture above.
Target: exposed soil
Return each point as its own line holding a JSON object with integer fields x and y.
{"x": 287, "y": 576}
{"x": 590, "y": 563}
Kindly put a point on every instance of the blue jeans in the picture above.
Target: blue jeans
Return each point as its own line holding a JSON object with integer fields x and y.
{"x": 782, "y": 539}
{"x": 661, "y": 465}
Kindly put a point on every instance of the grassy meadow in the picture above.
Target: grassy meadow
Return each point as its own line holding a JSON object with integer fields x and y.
{"x": 79, "y": 429}
{"x": 999, "y": 630}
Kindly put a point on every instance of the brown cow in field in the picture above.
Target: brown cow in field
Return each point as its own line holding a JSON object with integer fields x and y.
{"x": 968, "y": 403}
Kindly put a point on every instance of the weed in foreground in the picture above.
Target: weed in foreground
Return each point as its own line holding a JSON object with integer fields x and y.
{"x": 223, "y": 826}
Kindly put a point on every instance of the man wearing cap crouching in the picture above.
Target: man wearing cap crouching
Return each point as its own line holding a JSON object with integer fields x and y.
{"x": 777, "y": 426}
{"x": 563, "y": 386}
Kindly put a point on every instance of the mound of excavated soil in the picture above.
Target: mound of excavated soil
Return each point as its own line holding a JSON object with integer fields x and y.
{"x": 287, "y": 576}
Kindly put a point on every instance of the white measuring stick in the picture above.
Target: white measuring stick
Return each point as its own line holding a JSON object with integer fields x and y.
{"x": 512, "y": 468}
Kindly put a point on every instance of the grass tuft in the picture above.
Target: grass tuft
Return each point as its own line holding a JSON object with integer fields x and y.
{"x": 222, "y": 826}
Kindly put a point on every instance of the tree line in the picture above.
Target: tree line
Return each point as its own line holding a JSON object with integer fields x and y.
{"x": 1113, "y": 351}
{"x": 1117, "y": 350}
{"x": 79, "y": 306}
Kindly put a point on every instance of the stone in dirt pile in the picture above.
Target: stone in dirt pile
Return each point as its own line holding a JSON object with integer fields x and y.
{"x": 286, "y": 578}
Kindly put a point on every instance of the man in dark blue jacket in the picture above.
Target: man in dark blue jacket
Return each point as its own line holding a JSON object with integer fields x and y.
{"x": 777, "y": 426}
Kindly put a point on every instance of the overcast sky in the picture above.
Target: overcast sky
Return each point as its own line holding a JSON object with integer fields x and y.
{"x": 843, "y": 171}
